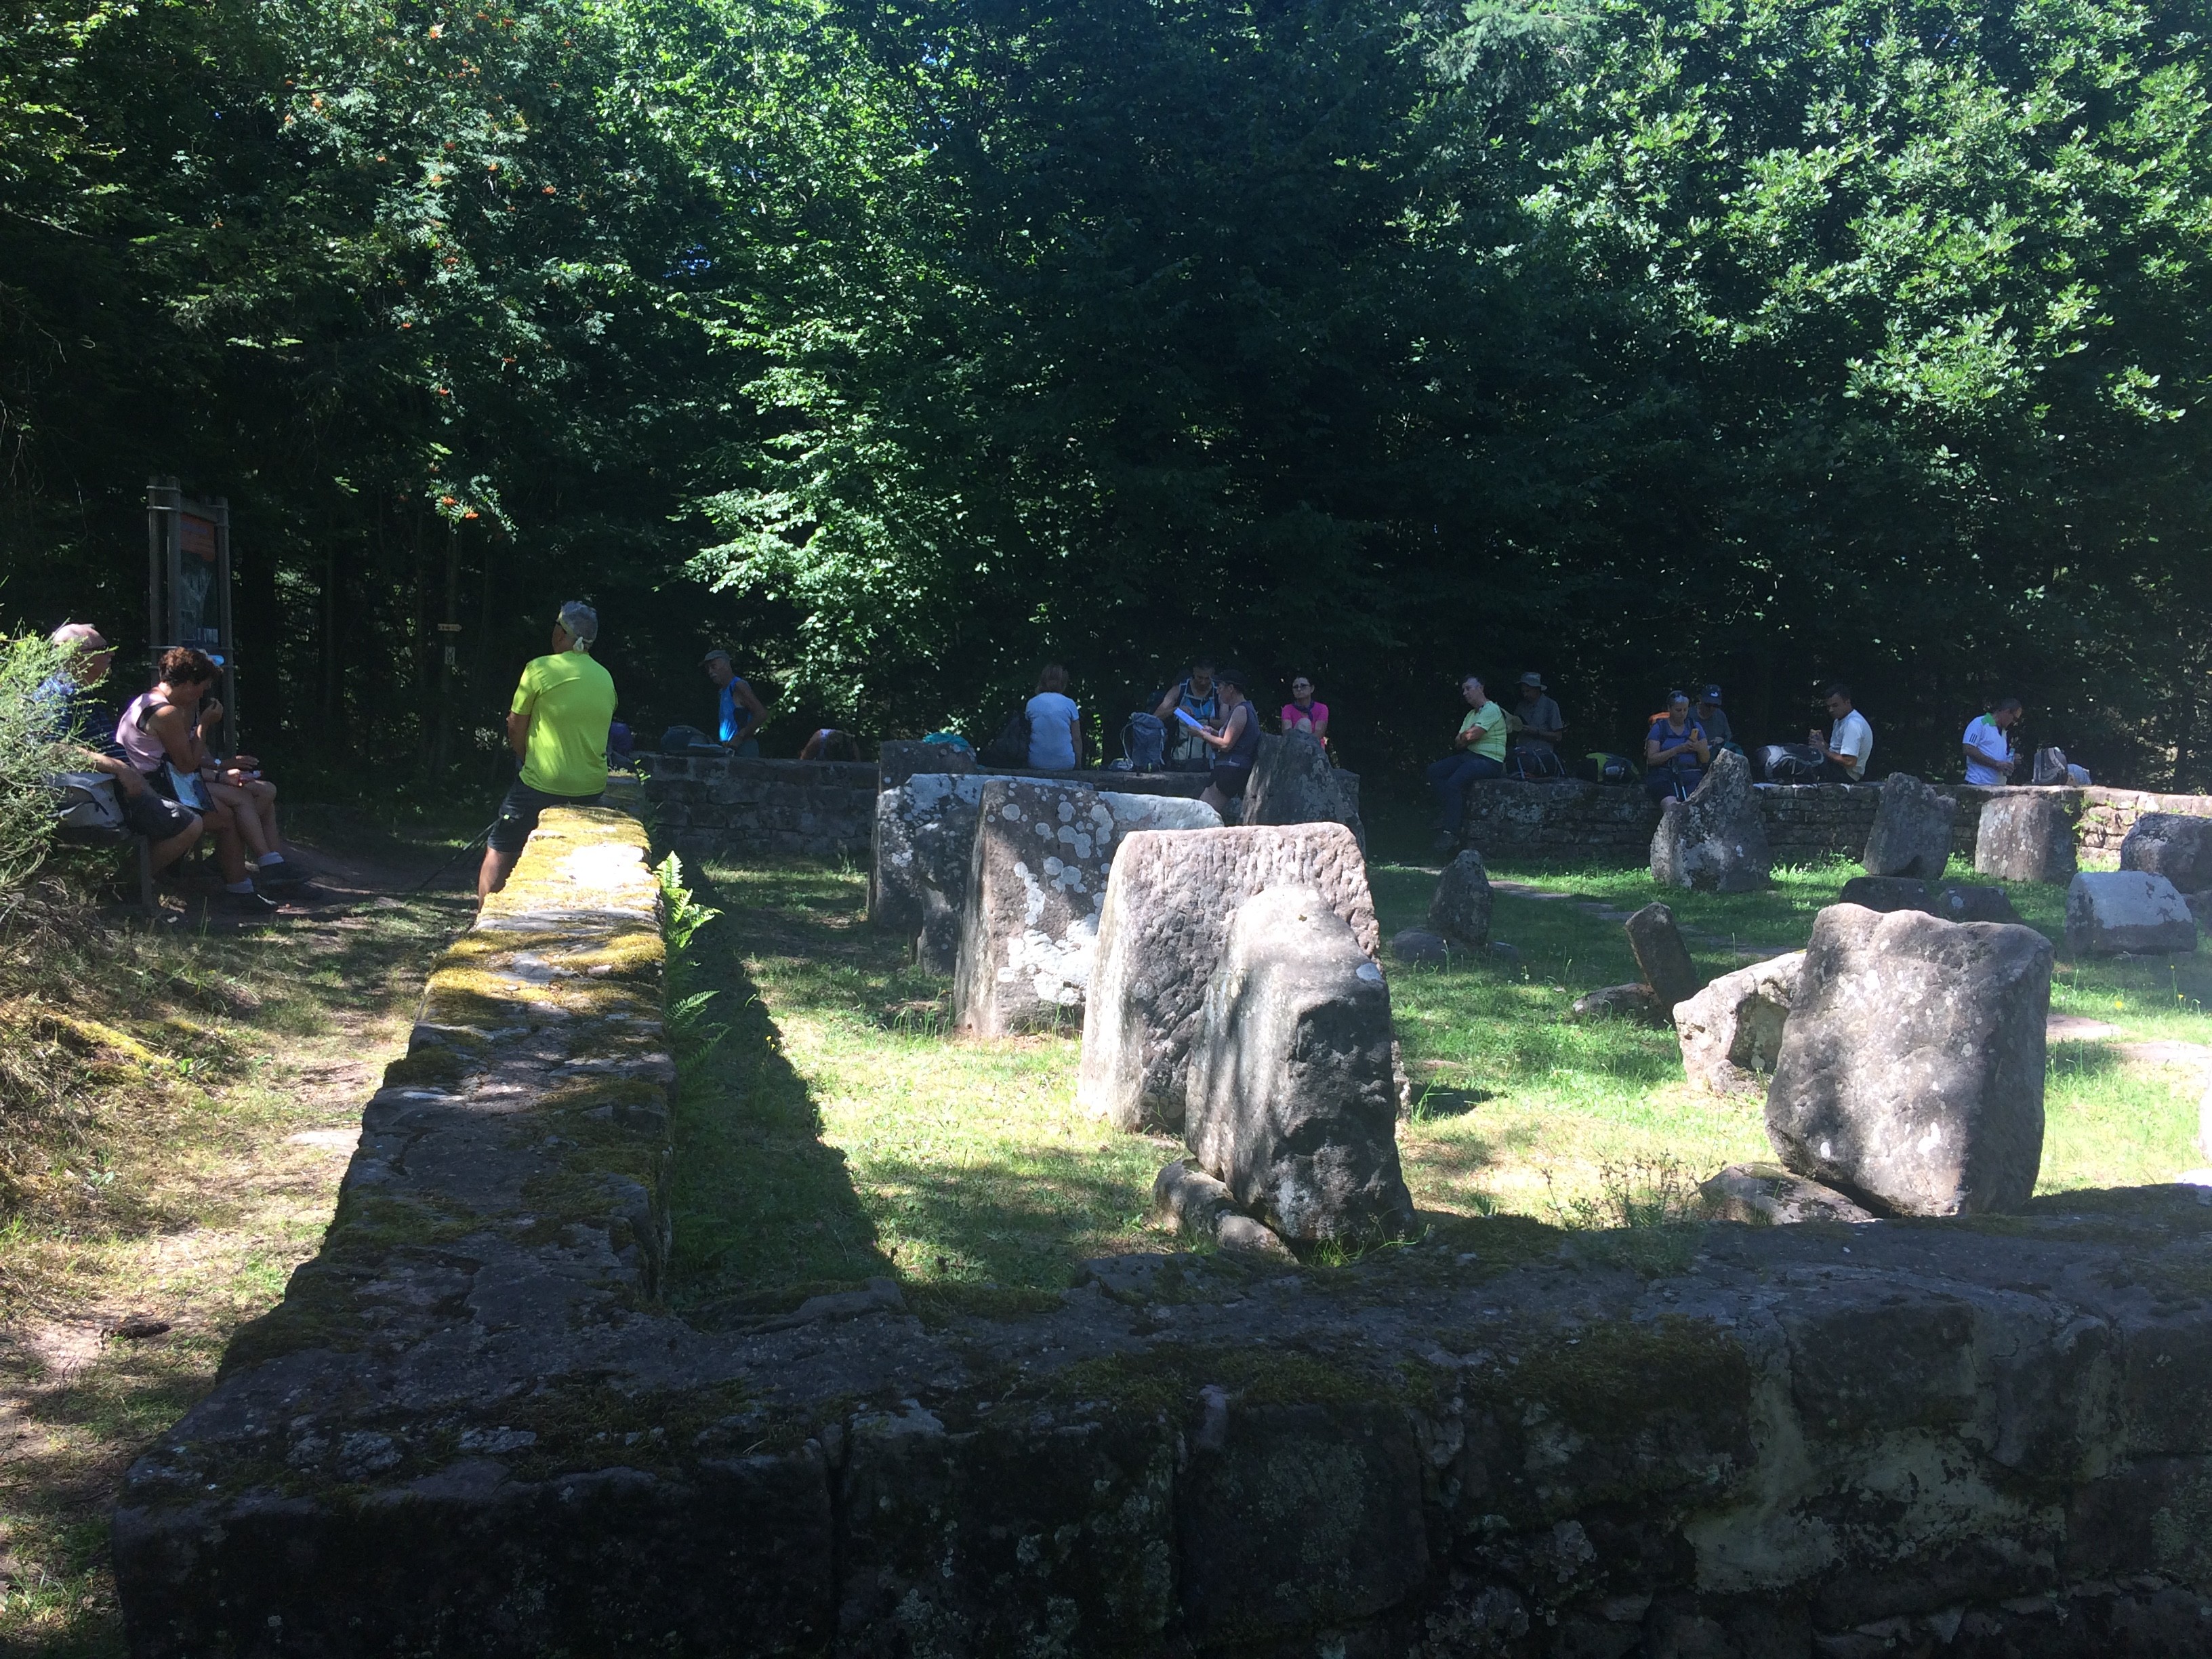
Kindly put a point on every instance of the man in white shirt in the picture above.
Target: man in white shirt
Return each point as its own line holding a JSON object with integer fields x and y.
{"x": 1850, "y": 742}
{"x": 1989, "y": 759}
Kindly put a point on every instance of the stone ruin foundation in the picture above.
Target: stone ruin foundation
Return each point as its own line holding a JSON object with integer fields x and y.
{"x": 472, "y": 1428}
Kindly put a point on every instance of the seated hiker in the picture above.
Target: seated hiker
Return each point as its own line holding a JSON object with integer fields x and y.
{"x": 1675, "y": 752}
{"x": 1537, "y": 730}
{"x": 1844, "y": 753}
{"x": 557, "y": 728}
{"x": 1479, "y": 753}
{"x": 86, "y": 732}
{"x": 164, "y": 734}
{"x": 738, "y": 710}
{"x": 1055, "y": 724}
{"x": 1715, "y": 720}
{"x": 1235, "y": 747}
{"x": 828, "y": 743}
{"x": 1198, "y": 696}
{"x": 1988, "y": 743}
{"x": 1302, "y": 713}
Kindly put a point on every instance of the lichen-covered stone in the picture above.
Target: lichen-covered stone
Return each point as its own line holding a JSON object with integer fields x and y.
{"x": 1618, "y": 1002}
{"x": 1731, "y": 1031}
{"x": 1764, "y": 1195}
{"x": 1161, "y": 935}
{"x": 1038, "y": 860}
{"x": 1911, "y": 1069}
{"x": 1292, "y": 783}
{"x": 2115, "y": 912}
{"x": 1459, "y": 908}
{"x": 1662, "y": 958}
{"x": 1911, "y": 833}
{"x": 1292, "y": 1100}
{"x": 2175, "y": 845}
{"x": 1715, "y": 840}
{"x": 2024, "y": 834}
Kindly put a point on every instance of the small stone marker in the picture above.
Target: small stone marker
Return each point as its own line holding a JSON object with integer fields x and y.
{"x": 1037, "y": 881}
{"x": 2024, "y": 834}
{"x": 1459, "y": 908}
{"x": 1911, "y": 1069}
{"x": 1715, "y": 840}
{"x": 1886, "y": 893}
{"x": 1767, "y": 1196}
{"x": 2126, "y": 912}
{"x": 1617, "y": 1002}
{"x": 1165, "y": 927}
{"x": 1662, "y": 958}
{"x": 1292, "y": 783}
{"x": 1292, "y": 1102}
{"x": 1911, "y": 833}
{"x": 1960, "y": 900}
{"x": 2171, "y": 844}
{"x": 1419, "y": 944}
{"x": 1731, "y": 1031}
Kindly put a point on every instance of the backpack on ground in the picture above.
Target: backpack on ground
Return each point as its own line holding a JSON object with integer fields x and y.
{"x": 1598, "y": 767}
{"x": 1144, "y": 739}
{"x": 90, "y": 809}
{"x": 1789, "y": 762}
{"x": 1011, "y": 746}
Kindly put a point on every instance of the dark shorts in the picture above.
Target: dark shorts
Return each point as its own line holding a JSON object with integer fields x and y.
{"x": 518, "y": 815}
{"x": 152, "y": 814}
{"x": 1230, "y": 779}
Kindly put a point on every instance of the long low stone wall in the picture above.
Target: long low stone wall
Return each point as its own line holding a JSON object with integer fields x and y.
{"x": 474, "y": 1427}
{"x": 1569, "y": 818}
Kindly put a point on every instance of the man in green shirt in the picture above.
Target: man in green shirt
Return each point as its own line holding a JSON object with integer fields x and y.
{"x": 558, "y": 730}
{"x": 1479, "y": 752}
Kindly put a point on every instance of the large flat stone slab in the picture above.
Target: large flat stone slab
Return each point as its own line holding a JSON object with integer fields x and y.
{"x": 1161, "y": 935}
{"x": 2127, "y": 912}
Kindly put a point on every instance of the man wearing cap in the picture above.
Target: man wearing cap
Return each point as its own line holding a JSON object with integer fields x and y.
{"x": 558, "y": 730}
{"x": 1712, "y": 717}
{"x": 738, "y": 712}
{"x": 1537, "y": 729}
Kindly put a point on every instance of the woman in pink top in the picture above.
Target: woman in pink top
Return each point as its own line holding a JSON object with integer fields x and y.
{"x": 1302, "y": 713}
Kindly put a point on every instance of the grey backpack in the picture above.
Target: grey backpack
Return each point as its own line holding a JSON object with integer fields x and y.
{"x": 90, "y": 808}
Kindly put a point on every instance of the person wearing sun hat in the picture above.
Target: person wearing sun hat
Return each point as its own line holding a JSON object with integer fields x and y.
{"x": 1714, "y": 719}
{"x": 557, "y": 728}
{"x": 1537, "y": 729}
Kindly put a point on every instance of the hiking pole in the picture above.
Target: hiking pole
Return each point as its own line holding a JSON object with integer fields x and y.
{"x": 474, "y": 842}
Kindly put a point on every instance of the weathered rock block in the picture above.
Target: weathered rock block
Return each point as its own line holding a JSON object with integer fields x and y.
{"x": 1887, "y": 893}
{"x": 1662, "y": 958}
{"x": 2115, "y": 912}
{"x": 1911, "y": 1069}
{"x": 1459, "y": 908}
{"x": 1911, "y": 833}
{"x": 1037, "y": 882}
{"x": 1763, "y": 1195}
{"x": 1292, "y": 783}
{"x": 1162, "y": 931}
{"x": 1715, "y": 840}
{"x": 2175, "y": 845}
{"x": 2025, "y": 835}
{"x": 897, "y": 760}
{"x": 1964, "y": 902}
{"x": 1292, "y": 1098}
{"x": 1618, "y": 1002}
{"x": 1419, "y": 944}
{"x": 1731, "y": 1031}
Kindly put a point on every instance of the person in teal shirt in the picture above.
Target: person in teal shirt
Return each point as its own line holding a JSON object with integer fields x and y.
{"x": 1479, "y": 752}
{"x": 557, "y": 728}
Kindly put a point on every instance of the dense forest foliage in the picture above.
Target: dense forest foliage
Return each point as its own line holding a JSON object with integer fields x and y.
{"x": 901, "y": 344}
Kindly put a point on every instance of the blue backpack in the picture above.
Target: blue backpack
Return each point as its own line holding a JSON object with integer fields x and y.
{"x": 1143, "y": 740}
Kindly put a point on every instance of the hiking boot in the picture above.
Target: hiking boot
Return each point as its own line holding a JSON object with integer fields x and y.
{"x": 246, "y": 904}
{"x": 282, "y": 873}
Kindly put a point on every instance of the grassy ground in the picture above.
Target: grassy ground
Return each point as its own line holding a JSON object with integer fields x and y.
{"x": 181, "y": 1104}
{"x": 838, "y": 1131}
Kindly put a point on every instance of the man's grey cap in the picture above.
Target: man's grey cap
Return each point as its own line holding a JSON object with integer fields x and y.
{"x": 716, "y": 655}
{"x": 581, "y": 622}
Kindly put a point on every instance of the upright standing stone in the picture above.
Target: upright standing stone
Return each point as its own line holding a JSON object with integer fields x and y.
{"x": 1459, "y": 908}
{"x": 1291, "y": 1101}
{"x": 1292, "y": 783}
{"x": 1662, "y": 958}
{"x": 1037, "y": 882}
{"x": 2126, "y": 912}
{"x": 1731, "y": 1031}
{"x": 1162, "y": 931}
{"x": 917, "y": 876}
{"x": 1911, "y": 1075}
{"x": 2171, "y": 844}
{"x": 1912, "y": 834}
{"x": 1715, "y": 840}
{"x": 2025, "y": 835}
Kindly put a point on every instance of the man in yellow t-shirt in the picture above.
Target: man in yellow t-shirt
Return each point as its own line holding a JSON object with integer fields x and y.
{"x": 558, "y": 731}
{"x": 1479, "y": 752}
